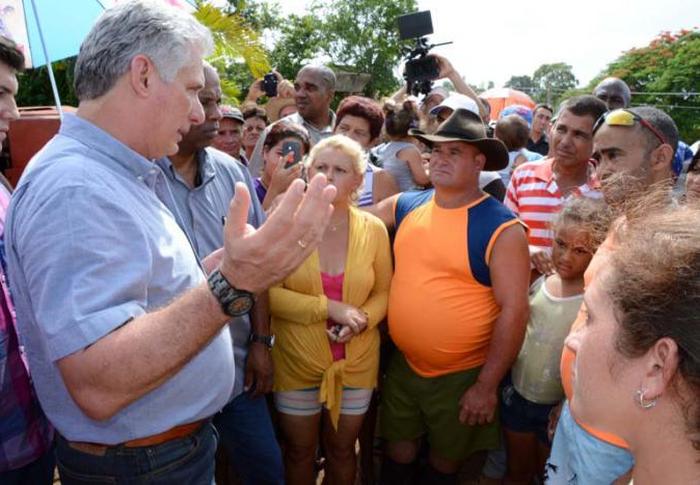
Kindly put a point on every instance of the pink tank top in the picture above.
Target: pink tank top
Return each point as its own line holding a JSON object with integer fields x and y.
{"x": 333, "y": 289}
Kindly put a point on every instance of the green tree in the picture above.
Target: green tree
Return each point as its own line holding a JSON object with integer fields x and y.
{"x": 357, "y": 36}
{"x": 666, "y": 74}
{"x": 35, "y": 88}
{"x": 522, "y": 83}
{"x": 362, "y": 35}
{"x": 234, "y": 41}
{"x": 551, "y": 81}
{"x": 298, "y": 43}
{"x": 259, "y": 15}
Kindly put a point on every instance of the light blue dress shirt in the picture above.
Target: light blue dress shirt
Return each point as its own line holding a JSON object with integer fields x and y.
{"x": 92, "y": 244}
{"x": 202, "y": 209}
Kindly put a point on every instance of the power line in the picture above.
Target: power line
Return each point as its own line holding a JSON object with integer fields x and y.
{"x": 681, "y": 93}
{"x": 672, "y": 106}
{"x": 634, "y": 93}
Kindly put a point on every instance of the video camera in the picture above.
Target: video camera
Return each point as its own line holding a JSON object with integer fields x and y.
{"x": 420, "y": 70}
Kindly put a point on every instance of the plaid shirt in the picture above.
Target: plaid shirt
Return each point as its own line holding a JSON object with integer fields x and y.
{"x": 25, "y": 433}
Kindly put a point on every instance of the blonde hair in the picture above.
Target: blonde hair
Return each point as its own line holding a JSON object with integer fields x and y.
{"x": 349, "y": 147}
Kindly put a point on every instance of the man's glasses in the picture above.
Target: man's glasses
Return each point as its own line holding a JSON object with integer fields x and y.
{"x": 624, "y": 117}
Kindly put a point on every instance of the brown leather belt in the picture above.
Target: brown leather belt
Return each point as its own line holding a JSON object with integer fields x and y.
{"x": 172, "y": 434}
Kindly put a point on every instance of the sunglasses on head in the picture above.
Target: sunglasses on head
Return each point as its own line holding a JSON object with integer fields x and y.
{"x": 625, "y": 117}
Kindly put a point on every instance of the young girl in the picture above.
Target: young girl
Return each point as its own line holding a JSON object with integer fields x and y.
{"x": 535, "y": 385}
{"x": 399, "y": 155}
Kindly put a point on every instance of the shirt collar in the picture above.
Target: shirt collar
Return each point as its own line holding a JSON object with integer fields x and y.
{"x": 95, "y": 138}
{"x": 544, "y": 172}
{"x": 204, "y": 166}
{"x": 297, "y": 118}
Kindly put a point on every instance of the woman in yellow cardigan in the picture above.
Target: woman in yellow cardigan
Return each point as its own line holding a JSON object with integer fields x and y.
{"x": 325, "y": 316}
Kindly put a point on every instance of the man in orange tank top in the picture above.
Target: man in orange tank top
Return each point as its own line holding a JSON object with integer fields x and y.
{"x": 457, "y": 308}
{"x": 634, "y": 149}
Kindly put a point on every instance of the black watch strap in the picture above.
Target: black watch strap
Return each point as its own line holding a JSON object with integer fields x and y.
{"x": 267, "y": 340}
{"x": 234, "y": 302}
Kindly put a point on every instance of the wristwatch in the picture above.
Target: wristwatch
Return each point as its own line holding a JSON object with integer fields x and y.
{"x": 234, "y": 302}
{"x": 267, "y": 340}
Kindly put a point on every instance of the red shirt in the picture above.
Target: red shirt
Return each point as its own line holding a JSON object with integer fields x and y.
{"x": 333, "y": 289}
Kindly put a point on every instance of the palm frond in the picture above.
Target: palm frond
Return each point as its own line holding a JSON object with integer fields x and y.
{"x": 233, "y": 39}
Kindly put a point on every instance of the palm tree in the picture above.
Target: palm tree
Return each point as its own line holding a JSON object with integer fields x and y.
{"x": 234, "y": 40}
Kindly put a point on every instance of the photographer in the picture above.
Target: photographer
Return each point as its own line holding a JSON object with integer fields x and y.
{"x": 314, "y": 88}
{"x": 280, "y": 96}
{"x": 448, "y": 71}
{"x": 282, "y": 88}
{"x": 445, "y": 71}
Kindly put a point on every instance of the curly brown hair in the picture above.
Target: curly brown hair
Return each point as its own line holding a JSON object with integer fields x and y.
{"x": 654, "y": 285}
{"x": 591, "y": 215}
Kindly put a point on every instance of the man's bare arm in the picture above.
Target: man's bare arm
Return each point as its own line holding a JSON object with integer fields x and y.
{"x": 142, "y": 354}
{"x": 258, "y": 372}
{"x": 146, "y": 351}
{"x": 510, "y": 271}
{"x": 510, "y": 278}
{"x": 449, "y": 72}
{"x": 384, "y": 210}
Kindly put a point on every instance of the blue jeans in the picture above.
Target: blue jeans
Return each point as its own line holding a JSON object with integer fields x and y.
{"x": 187, "y": 460}
{"x": 246, "y": 432}
{"x": 578, "y": 457}
{"x": 38, "y": 472}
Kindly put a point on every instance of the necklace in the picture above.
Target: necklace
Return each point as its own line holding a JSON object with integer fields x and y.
{"x": 334, "y": 227}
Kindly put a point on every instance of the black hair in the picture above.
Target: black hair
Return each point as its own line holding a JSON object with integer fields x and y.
{"x": 543, "y": 105}
{"x": 11, "y": 55}
{"x": 662, "y": 122}
{"x": 586, "y": 105}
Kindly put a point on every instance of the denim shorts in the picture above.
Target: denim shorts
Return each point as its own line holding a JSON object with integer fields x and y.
{"x": 579, "y": 458}
{"x": 523, "y": 416}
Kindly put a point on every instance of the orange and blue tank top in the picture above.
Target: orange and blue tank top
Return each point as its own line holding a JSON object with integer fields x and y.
{"x": 441, "y": 306}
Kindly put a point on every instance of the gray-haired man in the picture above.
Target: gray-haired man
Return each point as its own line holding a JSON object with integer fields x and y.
{"x": 125, "y": 337}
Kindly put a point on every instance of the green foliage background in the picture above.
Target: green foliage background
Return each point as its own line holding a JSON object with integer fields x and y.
{"x": 669, "y": 64}
{"x": 665, "y": 74}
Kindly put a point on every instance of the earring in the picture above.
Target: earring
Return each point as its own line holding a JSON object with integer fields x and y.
{"x": 644, "y": 404}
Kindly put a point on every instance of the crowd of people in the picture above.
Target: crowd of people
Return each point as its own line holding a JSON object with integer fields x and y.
{"x": 504, "y": 301}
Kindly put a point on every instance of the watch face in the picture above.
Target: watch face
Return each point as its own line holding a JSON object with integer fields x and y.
{"x": 240, "y": 305}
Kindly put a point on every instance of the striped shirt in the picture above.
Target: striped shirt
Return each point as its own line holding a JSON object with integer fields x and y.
{"x": 534, "y": 196}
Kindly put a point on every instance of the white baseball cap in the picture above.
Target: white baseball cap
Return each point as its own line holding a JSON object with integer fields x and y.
{"x": 456, "y": 101}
